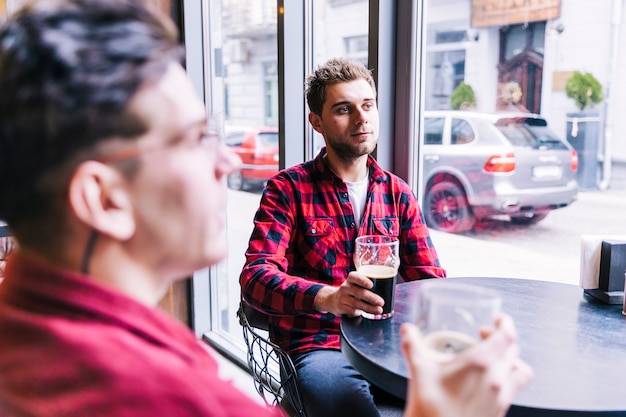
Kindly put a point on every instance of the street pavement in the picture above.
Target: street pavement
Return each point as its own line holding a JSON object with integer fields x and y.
{"x": 466, "y": 256}
{"x": 463, "y": 256}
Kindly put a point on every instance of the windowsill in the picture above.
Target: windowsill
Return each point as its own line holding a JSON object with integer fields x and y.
{"x": 229, "y": 370}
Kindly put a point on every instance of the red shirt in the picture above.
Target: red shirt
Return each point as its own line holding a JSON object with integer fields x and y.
{"x": 70, "y": 347}
{"x": 303, "y": 238}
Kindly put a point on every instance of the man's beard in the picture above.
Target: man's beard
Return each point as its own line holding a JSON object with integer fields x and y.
{"x": 349, "y": 151}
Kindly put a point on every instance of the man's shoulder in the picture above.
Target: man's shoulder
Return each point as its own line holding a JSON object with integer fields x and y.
{"x": 393, "y": 180}
{"x": 304, "y": 172}
{"x": 303, "y": 168}
{"x": 91, "y": 369}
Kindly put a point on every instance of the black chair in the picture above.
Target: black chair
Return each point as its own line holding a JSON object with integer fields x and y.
{"x": 275, "y": 376}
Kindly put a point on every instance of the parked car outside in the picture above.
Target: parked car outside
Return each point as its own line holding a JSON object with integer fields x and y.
{"x": 480, "y": 165}
{"x": 258, "y": 149}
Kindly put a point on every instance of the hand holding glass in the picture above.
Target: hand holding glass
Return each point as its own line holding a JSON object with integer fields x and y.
{"x": 377, "y": 258}
{"x": 451, "y": 315}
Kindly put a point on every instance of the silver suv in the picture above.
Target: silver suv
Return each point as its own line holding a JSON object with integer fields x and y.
{"x": 479, "y": 165}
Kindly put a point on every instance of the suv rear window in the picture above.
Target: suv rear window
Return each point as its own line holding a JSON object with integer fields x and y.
{"x": 268, "y": 139}
{"x": 433, "y": 130}
{"x": 533, "y": 133}
{"x": 234, "y": 139}
{"x": 462, "y": 132}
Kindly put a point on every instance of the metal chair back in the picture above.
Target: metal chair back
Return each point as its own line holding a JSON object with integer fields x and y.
{"x": 275, "y": 376}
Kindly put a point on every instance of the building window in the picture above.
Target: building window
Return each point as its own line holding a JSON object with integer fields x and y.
{"x": 270, "y": 74}
{"x": 356, "y": 48}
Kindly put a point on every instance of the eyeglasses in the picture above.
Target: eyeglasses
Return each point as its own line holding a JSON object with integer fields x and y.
{"x": 210, "y": 138}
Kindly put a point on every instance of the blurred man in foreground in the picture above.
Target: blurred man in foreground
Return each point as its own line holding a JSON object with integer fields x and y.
{"x": 113, "y": 188}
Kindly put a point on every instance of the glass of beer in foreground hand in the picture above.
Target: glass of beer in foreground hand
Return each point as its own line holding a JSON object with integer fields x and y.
{"x": 377, "y": 258}
{"x": 451, "y": 315}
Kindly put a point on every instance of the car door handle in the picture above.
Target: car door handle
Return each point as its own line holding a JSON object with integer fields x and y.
{"x": 431, "y": 158}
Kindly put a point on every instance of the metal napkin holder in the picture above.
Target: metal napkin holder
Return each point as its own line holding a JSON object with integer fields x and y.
{"x": 612, "y": 271}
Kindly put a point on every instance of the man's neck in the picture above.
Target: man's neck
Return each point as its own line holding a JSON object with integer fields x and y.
{"x": 110, "y": 265}
{"x": 352, "y": 170}
{"x": 130, "y": 277}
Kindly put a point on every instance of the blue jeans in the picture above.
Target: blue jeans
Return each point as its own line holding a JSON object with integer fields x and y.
{"x": 332, "y": 387}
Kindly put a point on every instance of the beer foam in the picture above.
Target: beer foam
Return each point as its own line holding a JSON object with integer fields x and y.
{"x": 378, "y": 271}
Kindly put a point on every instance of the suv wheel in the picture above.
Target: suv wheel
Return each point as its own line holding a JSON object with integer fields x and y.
{"x": 235, "y": 181}
{"x": 446, "y": 208}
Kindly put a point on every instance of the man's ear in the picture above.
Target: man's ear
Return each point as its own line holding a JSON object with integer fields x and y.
{"x": 316, "y": 122}
{"x": 99, "y": 197}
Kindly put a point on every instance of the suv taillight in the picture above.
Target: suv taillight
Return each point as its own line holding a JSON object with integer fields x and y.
{"x": 574, "y": 161}
{"x": 500, "y": 163}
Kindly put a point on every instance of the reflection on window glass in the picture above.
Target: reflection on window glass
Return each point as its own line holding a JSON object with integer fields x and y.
{"x": 515, "y": 41}
{"x": 340, "y": 30}
{"x": 450, "y": 36}
{"x": 356, "y": 48}
{"x": 433, "y": 130}
{"x": 461, "y": 132}
{"x": 246, "y": 86}
{"x": 518, "y": 57}
{"x": 539, "y": 37}
{"x": 270, "y": 72}
{"x": 511, "y": 64}
{"x": 446, "y": 70}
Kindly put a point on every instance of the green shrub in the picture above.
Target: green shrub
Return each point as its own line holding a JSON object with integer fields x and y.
{"x": 584, "y": 89}
{"x": 462, "y": 97}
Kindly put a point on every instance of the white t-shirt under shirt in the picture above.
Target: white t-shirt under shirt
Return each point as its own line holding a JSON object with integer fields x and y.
{"x": 357, "y": 192}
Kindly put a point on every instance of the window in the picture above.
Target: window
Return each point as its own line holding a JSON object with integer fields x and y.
{"x": 445, "y": 72}
{"x": 433, "y": 130}
{"x": 239, "y": 70}
{"x": 521, "y": 38}
{"x": 445, "y": 68}
{"x": 270, "y": 72}
{"x": 243, "y": 88}
{"x": 231, "y": 57}
{"x": 356, "y": 48}
{"x": 462, "y": 132}
{"x": 340, "y": 30}
{"x": 523, "y": 66}
{"x": 451, "y": 36}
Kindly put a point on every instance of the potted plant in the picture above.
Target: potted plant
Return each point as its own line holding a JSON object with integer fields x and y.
{"x": 584, "y": 89}
{"x": 583, "y": 127}
{"x": 463, "y": 97}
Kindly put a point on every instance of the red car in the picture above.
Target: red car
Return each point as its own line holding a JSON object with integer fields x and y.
{"x": 258, "y": 149}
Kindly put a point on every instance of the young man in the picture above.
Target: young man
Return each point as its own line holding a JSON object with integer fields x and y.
{"x": 299, "y": 266}
{"x": 113, "y": 189}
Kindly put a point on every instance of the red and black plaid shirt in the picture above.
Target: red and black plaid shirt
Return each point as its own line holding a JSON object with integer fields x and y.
{"x": 303, "y": 239}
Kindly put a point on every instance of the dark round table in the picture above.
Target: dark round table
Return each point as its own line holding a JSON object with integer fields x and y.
{"x": 575, "y": 344}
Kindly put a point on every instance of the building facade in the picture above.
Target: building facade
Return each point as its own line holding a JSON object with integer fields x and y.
{"x": 514, "y": 54}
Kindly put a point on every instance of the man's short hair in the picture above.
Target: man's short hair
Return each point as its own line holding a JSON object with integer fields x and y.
{"x": 334, "y": 71}
{"x": 68, "y": 70}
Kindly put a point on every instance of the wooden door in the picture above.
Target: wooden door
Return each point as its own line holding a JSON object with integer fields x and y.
{"x": 520, "y": 69}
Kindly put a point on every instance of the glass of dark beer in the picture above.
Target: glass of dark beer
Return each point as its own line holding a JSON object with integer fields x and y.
{"x": 377, "y": 258}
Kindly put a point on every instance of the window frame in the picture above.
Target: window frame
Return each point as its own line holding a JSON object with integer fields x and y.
{"x": 394, "y": 27}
